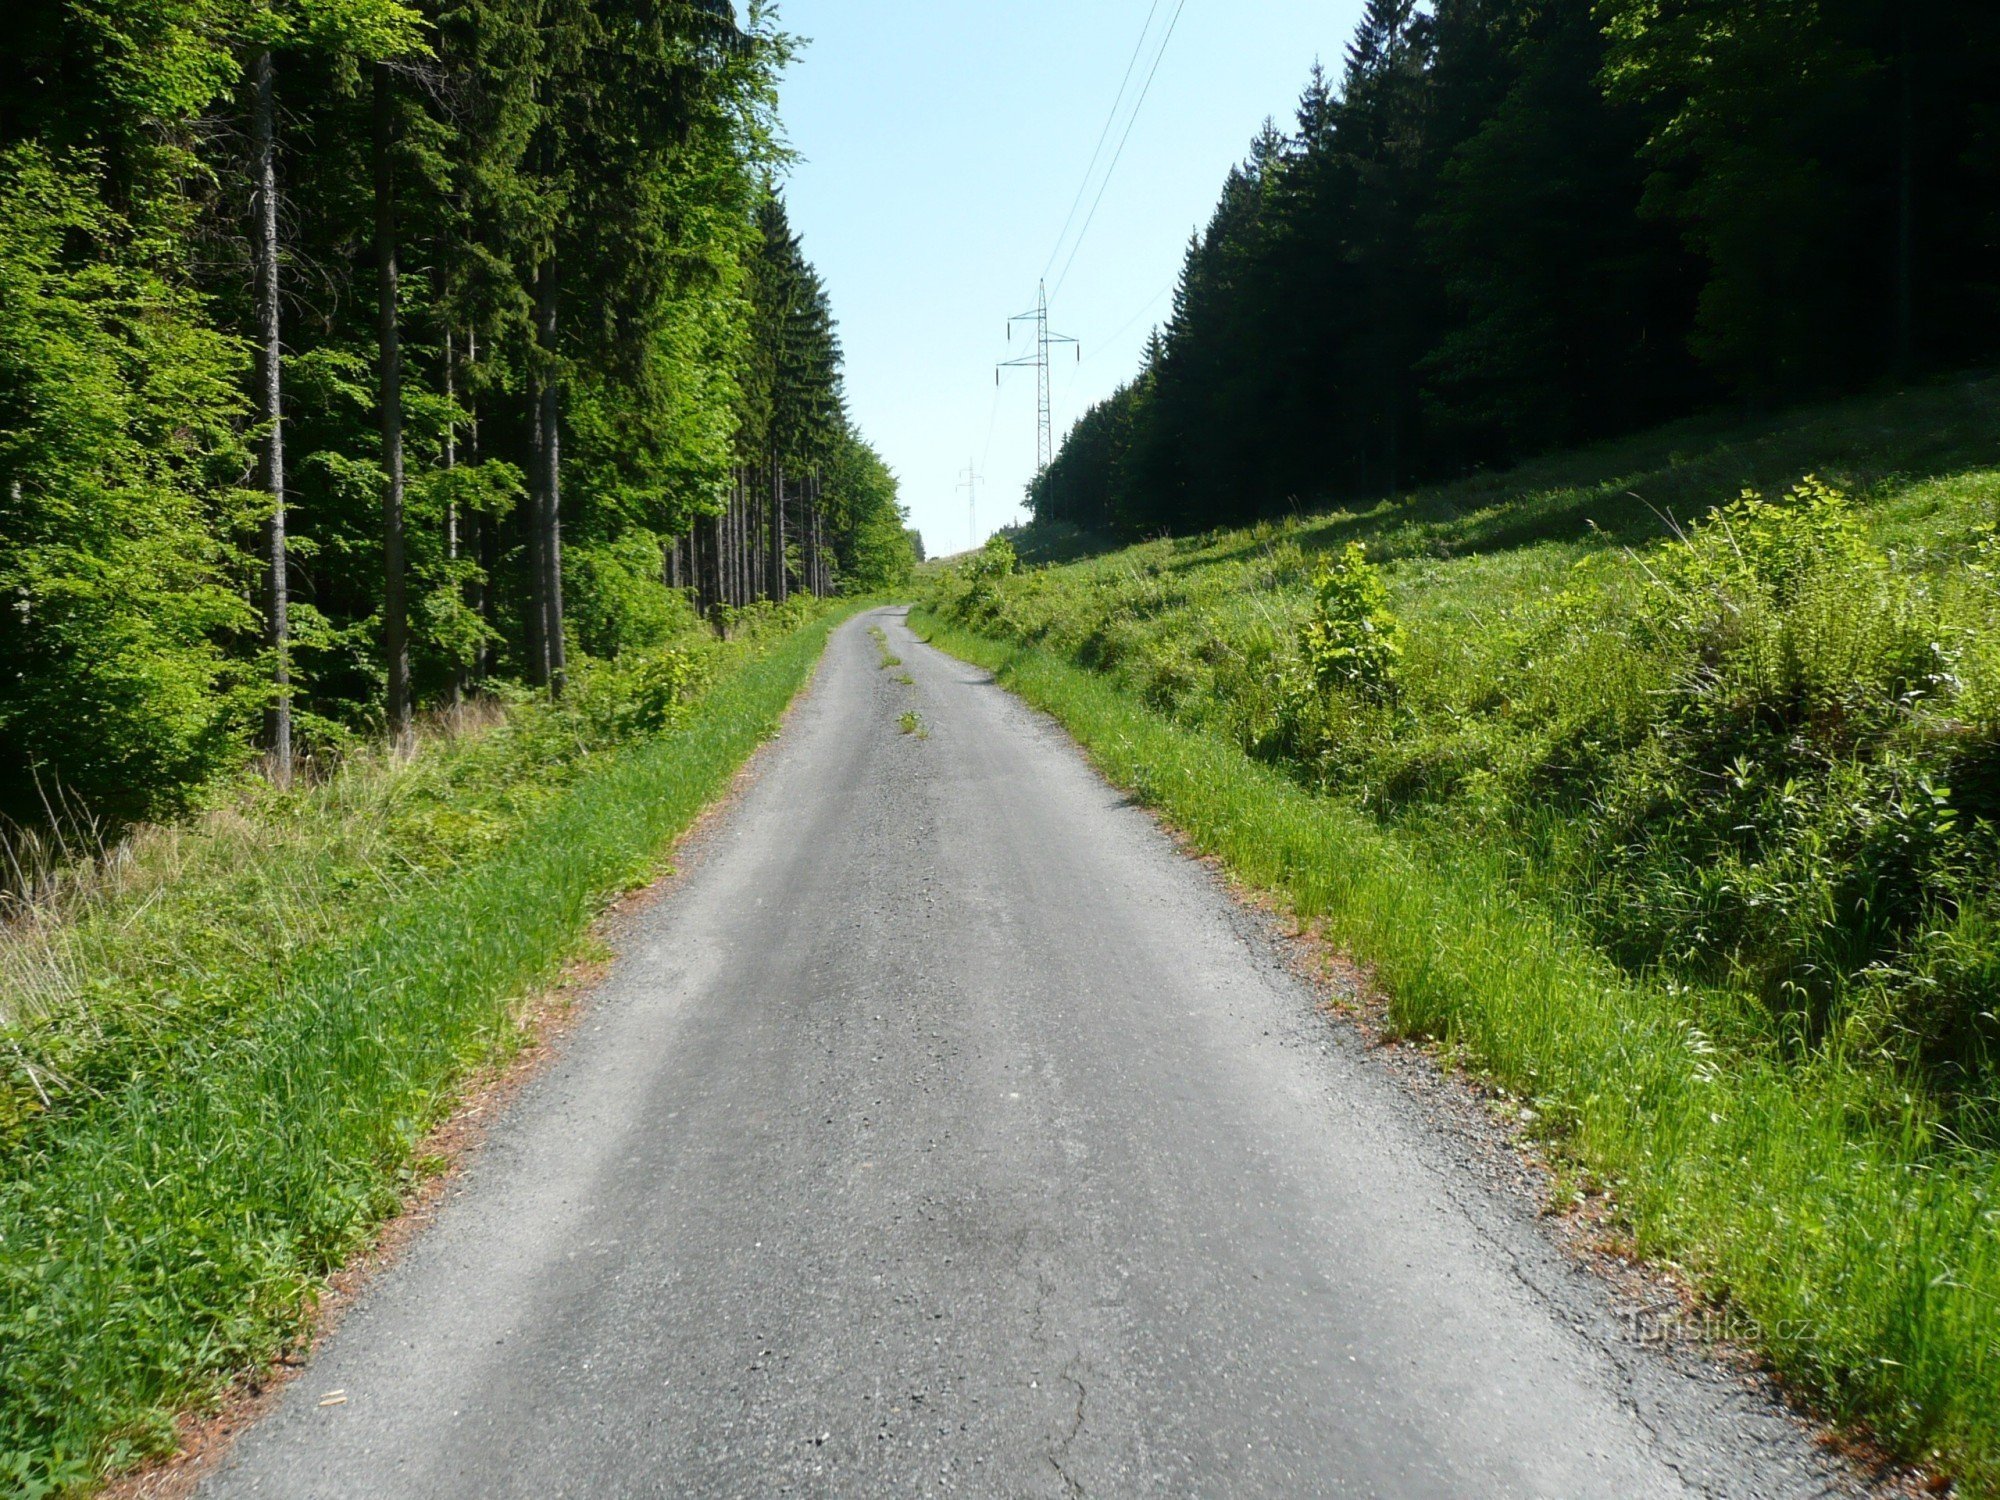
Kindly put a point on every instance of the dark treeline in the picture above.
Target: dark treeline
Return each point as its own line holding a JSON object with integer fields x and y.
{"x": 354, "y": 353}
{"x": 1519, "y": 224}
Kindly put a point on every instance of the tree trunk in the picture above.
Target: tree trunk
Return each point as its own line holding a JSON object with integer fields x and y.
{"x": 270, "y": 410}
{"x": 813, "y": 570}
{"x": 743, "y": 547}
{"x": 820, "y": 567}
{"x": 485, "y": 531}
{"x": 736, "y": 590}
{"x": 535, "y": 617}
{"x": 395, "y": 608}
{"x": 780, "y": 583}
{"x": 715, "y": 562}
{"x": 1906, "y": 206}
{"x": 549, "y": 463}
{"x": 468, "y": 595}
{"x": 760, "y": 546}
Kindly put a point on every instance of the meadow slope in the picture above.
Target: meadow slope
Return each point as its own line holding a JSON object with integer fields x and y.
{"x": 1671, "y": 807}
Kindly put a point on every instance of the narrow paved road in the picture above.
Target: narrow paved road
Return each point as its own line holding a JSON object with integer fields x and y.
{"x": 944, "y": 1132}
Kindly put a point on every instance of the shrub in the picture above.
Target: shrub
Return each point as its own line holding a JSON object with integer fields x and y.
{"x": 1349, "y": 642}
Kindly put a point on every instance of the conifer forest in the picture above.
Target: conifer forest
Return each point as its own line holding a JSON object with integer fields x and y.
{"x": 1500, "y": 228}
{"x": 355, "y": 355}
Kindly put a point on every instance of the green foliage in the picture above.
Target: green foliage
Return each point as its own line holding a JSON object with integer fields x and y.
{"x": 1775, "y": 548}
{"x": 628, "y": 151}
{"x": 994, "y": 560}
{"x": 618, "y": 599}
{"x": 1348, "y": 641}
{"x": 873, "y": 547}
{"x": 117, "y": 599}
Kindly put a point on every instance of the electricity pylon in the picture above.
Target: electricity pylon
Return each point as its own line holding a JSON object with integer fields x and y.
{"x": 969, "y": 481}
{"x": 1045, "y": 437}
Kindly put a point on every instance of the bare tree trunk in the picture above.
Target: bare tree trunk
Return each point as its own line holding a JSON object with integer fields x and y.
{"x": 812, "y": 537}
{"x": 459, "y": 669}
{"x": 808, "y": 553}
{"x": 395, "y": 606}
{"x": 270, "y": 408}
{"x": 485, "y": 537}
{"x": 736, "y": 589}
{"x": 536, "y": 616}
{"x": 741, "y": 559}
{"x": 715, "y": 562}
{"x": 1906, "y": 206}
{"x": 550, "y": 465}
{"x": 752, "y": 521}
{"x": 780, "y": 582}
{"x": 729, "y": 549}
{"x": 722, "y": 570}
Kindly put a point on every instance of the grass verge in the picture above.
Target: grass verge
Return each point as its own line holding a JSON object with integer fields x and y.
{"x": 1846, "y": 1234}
{"x": 169, "y": 1229}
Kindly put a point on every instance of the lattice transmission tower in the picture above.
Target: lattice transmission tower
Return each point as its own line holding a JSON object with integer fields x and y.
{"x": 969, "y": 482}
{"x": 1044, "y": 433}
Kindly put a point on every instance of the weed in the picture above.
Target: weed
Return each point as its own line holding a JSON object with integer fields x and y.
{"x": 889, "y": 658}
{"x": 912, "y": 722}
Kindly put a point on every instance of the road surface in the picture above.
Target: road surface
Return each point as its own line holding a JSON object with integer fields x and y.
{"x": 943, "y": 1132}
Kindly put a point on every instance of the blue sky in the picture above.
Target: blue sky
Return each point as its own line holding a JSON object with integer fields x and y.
{"x": 943, "y": 144}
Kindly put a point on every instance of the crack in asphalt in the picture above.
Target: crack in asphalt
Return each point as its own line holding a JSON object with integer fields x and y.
{"x": 1060, "y": 1454}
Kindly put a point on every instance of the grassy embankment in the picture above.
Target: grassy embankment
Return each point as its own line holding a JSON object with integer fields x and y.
{"x": 225, "y": 1048}
{"x": 1682, "y": 829}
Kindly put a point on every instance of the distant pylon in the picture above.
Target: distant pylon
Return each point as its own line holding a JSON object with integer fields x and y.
{"x": 1044, "y": 429}
{"x": 969, "y": 481}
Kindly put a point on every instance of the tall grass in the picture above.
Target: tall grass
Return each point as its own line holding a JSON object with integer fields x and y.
{"x": 165, "y": 1230}
{"x": 1857, "y": 1243}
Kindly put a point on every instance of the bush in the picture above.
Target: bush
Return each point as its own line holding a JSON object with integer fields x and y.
{"x": 617, "y": 599}
{"x": 1348, "y": 642}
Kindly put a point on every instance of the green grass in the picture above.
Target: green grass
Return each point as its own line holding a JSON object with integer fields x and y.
{"x": 1854, "y": 1240}
{"x": 1687, "y": 829}
{"x": 911, "y": 722}
{"x": 162, "y": 1230}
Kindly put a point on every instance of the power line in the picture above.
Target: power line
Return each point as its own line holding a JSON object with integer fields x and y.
{"x": 1102, "y": 136}
{"x": 1131, "y": 120}
{"x": 1105, "y": 342}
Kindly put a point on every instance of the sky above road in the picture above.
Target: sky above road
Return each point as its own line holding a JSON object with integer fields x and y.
{"x": 943, "y": 144}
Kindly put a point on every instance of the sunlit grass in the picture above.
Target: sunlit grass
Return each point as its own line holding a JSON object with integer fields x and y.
{"x": 162, "y": 1229}
{"x": 1857, "y": 1243}
{"x": 1710, "y": 878}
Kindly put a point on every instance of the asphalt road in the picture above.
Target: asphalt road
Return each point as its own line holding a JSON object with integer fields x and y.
{"x": 943, "y": 1131}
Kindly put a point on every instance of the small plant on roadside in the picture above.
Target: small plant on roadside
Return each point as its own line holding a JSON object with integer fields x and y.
{"x": 1349, "y": 642}
{"x": 912, "y": 722}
